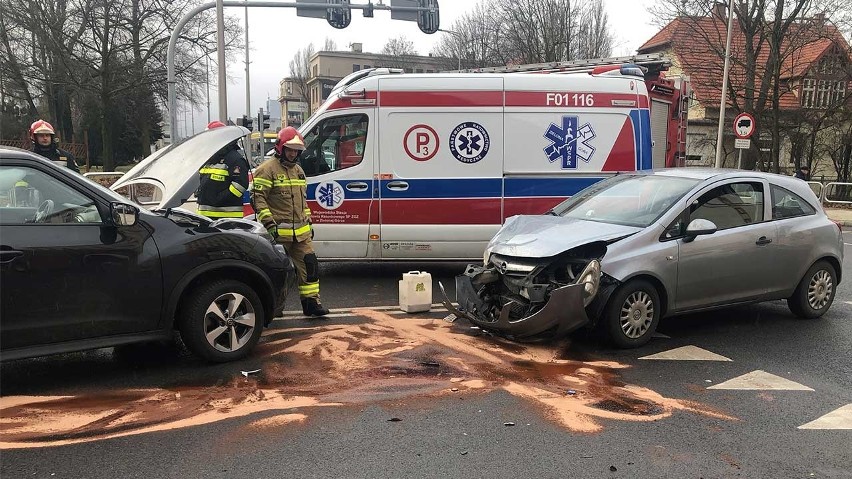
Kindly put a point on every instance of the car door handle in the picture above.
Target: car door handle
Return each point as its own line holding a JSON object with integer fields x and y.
{"x": 357, "y": 186}
{"x": 398, "y": 185}
{"x": 9, "y": 255}
{"x": 763, "y": 240}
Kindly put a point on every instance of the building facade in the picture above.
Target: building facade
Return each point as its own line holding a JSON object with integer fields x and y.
{"x": 814, "y": 83}
{"x": 327, "y": 68}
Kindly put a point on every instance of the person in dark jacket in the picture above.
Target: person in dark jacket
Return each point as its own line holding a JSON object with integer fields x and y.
{"x": 43, "y": 137}
{"x": 223, "y": 181}
{"x": 804, "y": 173}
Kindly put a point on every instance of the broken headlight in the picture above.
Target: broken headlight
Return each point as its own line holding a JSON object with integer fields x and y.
{"x": 590, "y": 278}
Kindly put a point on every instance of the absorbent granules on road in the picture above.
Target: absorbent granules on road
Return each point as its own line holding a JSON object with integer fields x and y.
{"x": 323, "y": 364}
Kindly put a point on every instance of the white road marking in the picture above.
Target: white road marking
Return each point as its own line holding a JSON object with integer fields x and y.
{"x": 687, "y": 353}
{"x": 848, "y": 302}
{"x": 840, "y": 418}
{"x": 761, "y": 381}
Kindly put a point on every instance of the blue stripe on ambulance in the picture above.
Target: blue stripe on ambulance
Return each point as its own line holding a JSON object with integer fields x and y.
{"x": 642, "y": 123}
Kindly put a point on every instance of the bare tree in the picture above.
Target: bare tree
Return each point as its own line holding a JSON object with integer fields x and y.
{"x": 769, "y": 40}
{"x": 300, "y": 73}
{"x": 497, "y": 32}
{"x": 329, "y": 45}
{"x": 399, "y": 47}
{"x": 99, "y": 65}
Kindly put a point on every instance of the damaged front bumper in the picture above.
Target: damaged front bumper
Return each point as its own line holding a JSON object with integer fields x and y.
{"x": 562, "y": 311}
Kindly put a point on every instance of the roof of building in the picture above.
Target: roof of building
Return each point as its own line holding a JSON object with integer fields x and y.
{"x": 698, "y": 45}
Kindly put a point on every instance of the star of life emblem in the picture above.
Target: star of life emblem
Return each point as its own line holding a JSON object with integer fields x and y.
{"x": 330, "y": 195}
{"x": 569, "y": 142}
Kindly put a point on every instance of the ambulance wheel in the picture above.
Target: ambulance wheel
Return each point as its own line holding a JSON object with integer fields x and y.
{"x": 632, "y": 314}
{"x": 221, "y": 321}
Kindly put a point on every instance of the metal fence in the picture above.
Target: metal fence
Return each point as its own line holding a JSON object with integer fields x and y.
{"x": 837, "y": 194}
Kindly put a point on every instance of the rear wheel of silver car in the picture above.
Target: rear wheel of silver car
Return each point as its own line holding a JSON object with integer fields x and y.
{"x": 815, "y": 292}
{"x": 221, "y": 321}
{"x": 632, "y": 314}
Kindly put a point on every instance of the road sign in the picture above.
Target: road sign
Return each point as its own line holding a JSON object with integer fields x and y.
{"x": 742, "y": 143}
{"x": 744, "y": 125}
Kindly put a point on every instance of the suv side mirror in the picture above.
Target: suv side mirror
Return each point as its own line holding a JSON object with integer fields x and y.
{"x": 699, "y": 227}
{"x": 123, "y": 214}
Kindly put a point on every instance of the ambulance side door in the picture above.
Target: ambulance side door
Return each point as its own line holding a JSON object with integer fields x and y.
{"x": 338, "y": 163}
{"x": 440, "y": 166}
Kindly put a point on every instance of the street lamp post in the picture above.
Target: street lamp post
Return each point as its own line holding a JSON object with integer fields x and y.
{"x": 457, "y": 35}
{"x": 724, "y": 86}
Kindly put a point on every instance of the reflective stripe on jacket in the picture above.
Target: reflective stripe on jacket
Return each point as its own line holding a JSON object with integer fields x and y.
{"x": 280, "y": 196}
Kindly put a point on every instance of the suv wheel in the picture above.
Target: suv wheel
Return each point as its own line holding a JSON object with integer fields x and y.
{"x": 632, "y": 314}
{"x": 815, "y": 292}
{"x": 221, "y": 321}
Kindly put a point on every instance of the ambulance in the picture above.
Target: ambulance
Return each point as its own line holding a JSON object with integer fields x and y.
{"x": 429, "y": 166}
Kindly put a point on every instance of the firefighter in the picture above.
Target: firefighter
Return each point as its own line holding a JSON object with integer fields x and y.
{"x": 280, "y": 198}
{"x": 223, "y": 181}
{"x": 43, "y": 137}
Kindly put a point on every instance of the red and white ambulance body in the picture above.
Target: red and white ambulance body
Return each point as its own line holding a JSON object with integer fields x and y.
{"x": 429, "y": 166}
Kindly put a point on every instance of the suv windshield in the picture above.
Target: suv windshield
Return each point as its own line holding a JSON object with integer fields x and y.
{"x": 631, "y": 200}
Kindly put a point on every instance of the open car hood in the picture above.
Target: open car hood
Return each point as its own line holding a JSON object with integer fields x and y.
{"x": 546, "y": 235}
{"x": 174, "y": 170}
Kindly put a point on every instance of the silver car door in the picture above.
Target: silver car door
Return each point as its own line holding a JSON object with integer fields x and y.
{"x": 732, "y": 264}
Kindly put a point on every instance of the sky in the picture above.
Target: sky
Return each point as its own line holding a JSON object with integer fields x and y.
{"x": 275, "y": 34}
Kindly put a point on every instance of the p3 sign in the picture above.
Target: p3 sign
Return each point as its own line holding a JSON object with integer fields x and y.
{"x": 421, "y": 142}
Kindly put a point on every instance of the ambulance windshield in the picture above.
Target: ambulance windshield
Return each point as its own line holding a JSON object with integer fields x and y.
{"x": 631, "y": 200}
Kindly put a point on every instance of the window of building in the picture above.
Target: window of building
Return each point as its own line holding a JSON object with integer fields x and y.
{"x": 356, "y": 67}
{"x": 334, "y": 144}
{"x": 316, "y": 70}
{"x": 826, "y": 83}
{"x": 366, "y": 67}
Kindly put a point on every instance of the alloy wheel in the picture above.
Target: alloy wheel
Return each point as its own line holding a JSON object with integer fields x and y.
{"x": 229, "y": 322}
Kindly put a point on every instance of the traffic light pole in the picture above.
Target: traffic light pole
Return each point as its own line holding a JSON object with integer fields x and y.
{"x": 171, "y": 77}
{"x": 222, "y": 84}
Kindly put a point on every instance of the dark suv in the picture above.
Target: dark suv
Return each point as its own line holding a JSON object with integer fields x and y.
{"x": 82, "y": 267}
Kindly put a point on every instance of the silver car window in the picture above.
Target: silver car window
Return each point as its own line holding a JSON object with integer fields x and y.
{"x": 786, "y": 204}
{"x": 632, "y": 200}
{"x": 730, "y": 205}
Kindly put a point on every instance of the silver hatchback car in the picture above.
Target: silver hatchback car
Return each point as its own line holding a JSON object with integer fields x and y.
{"x": 637, "y": 247}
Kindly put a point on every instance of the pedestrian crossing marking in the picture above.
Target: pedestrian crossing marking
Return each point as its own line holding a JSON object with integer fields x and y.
{"x": 840, "y": 418}
{"x": 687, "y": 353}
{"x": 761, "y": 381}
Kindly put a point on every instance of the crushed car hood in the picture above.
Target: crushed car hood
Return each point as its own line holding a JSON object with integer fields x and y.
{"x": 545, "y": 236}
{"x": 174, "y": 170}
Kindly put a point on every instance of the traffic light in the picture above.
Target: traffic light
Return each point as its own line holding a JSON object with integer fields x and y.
{"x": 244, "y": 122}
{"x": 265, "y": 121}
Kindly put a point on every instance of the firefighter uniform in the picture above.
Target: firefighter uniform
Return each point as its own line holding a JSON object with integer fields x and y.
{"x": 280, "y": 198}
{"x": 222, "y": 183}
{"x": 50, "y": 151}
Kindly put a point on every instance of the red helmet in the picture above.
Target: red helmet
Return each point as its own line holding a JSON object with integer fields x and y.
{"x": 289, "y": 138}
{"x": 41, "y": 126}
{"x": 214, "y": 124}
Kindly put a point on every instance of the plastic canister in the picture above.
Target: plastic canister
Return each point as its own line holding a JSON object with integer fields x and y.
{"x": 415, "y": 292}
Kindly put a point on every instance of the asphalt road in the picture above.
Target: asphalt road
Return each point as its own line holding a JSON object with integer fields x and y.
{"x": 584, "y": 410}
